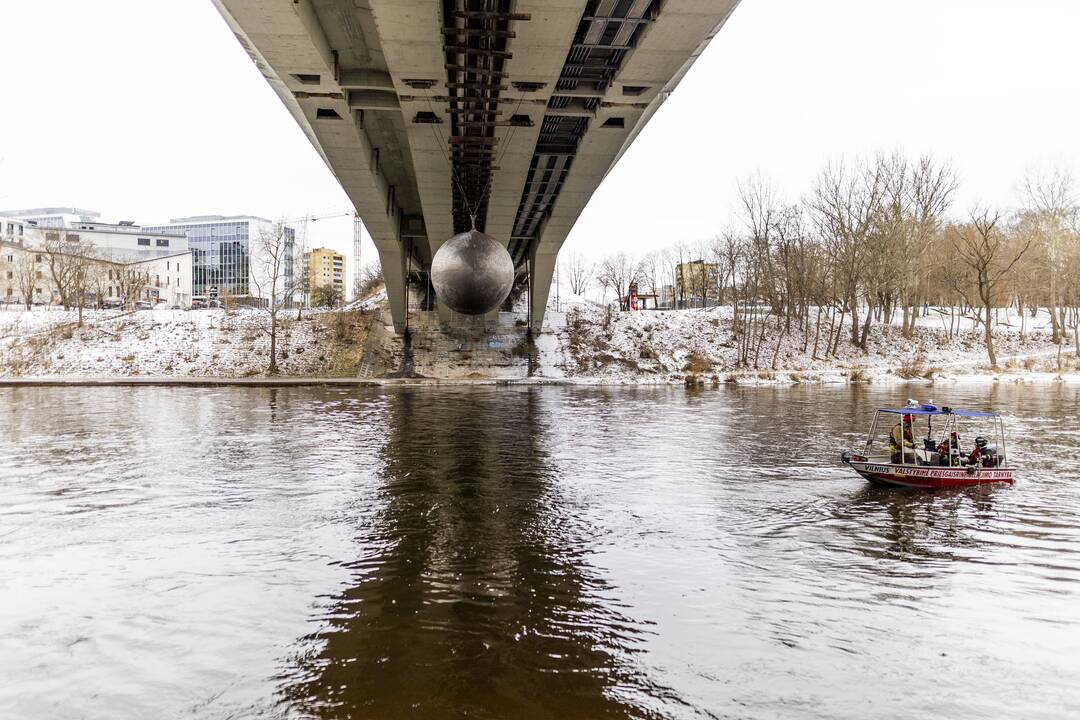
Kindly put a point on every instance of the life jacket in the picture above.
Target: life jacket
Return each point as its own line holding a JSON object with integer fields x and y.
{"x": 894, "y": 437}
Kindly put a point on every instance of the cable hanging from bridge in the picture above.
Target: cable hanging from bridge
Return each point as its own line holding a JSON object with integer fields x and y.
{"x": 473, "y": 210}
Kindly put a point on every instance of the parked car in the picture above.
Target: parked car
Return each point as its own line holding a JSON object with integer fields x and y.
{"x": 198, "y": 305}
{"x": 142, "y": 305}
{"x": 112, "y": 303}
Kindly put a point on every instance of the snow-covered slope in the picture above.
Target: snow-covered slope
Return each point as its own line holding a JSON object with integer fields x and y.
{"x": 595, "y": 345}
{"x": 168, "y": 342}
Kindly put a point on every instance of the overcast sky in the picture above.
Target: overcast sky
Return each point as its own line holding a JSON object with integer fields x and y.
{"x": 149, "y": 109}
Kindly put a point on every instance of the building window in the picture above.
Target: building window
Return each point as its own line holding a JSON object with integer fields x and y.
{"x": 9, "y": 274}
{"x": 38, "y": 274}
{"x": 144, "y": 242}
{"x": 163, "y": 242}
{"x": 37, "y": 258}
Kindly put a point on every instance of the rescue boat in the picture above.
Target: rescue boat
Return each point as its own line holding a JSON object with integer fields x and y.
{"x": 937, "y": 460}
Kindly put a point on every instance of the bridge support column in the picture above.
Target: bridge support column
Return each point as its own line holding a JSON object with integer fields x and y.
{"x": 542, "y": 268}
{"x": 393, "y": 264}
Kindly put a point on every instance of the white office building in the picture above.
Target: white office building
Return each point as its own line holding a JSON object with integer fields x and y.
{"x": 163, "y": 259}
{"x": 55, "y": 217}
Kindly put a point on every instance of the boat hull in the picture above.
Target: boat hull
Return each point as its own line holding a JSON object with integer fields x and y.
{"x": 923, "y": 476}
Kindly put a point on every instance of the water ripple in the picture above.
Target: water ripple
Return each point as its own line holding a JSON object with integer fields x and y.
{"x": 525, "y": 552}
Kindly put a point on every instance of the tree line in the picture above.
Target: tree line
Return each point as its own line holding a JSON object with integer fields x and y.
{"x": 873, "y": 241}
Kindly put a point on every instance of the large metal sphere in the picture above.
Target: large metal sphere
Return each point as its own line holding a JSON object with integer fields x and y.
{"x": 472, "y": 273}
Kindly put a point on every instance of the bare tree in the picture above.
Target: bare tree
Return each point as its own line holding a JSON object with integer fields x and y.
{"x": 61, "y": 262}
{"x": 26, "y": 274}
{"x": 680, "y": 253}
{"x": 931, "y": 190}
{"x": 84, "y": 266}
{"x": 71, "y": 263}
{"x": 327, "y": 296}
{"x": 617, "y": 272}
{"x": 272, "y": 264}
{"x": 983, "y": 249}
{"x": 844, "y": 204}
{"x": 99, "y": 281}
{"x": 670, "y": 272}
{"x": 131, "y": 284}
{"x": 1052, "y": 206}
{"x": 580, "y": 272}
{"x": 649, "y": 268}
{"x": 301, "y": 273}
{"x": 371, "y": 279}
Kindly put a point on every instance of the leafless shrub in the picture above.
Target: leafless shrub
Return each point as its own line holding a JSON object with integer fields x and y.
{"x": 913, "y": 367}
{"x": 697, "y": 363}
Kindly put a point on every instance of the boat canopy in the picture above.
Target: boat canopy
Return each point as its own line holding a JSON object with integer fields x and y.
{"x": 932, "y": 410}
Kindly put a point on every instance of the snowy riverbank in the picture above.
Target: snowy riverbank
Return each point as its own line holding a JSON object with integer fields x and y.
{"x": 584, "y": 344}
{"x": 591, "y": 345}
{"x": 161, "y": 342}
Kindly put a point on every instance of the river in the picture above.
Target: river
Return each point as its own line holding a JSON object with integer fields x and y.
{"x": 525, "y": 552}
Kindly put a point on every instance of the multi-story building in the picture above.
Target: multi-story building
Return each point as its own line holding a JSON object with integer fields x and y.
{"x": 225, "y": 254}
{"x": 12, "y": 229}
{"x": 697, "y": 283}
{"x": 124, "y": 240}
{"x": 120, "y": 266}
{"x": 57, "y": 217}
{"x": 324, "y": 267}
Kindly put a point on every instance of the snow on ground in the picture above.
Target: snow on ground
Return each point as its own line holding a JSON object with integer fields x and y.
{"x": 213, "y": 342}
{"x": 371, "y": 303}
{"x": 592, "y": 345}
{"x": 583, "y": 342}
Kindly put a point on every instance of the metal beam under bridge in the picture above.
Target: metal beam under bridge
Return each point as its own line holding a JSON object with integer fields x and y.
{"x": 433, "y": 113}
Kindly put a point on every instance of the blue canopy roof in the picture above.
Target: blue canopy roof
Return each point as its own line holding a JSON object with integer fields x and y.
{"x": 932, "y": 410}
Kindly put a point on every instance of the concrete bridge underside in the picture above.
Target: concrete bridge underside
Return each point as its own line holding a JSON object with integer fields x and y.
{"x": 430, "y": 112}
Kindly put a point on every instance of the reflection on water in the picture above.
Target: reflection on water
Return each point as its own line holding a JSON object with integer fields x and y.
{"x": 473, "y": 594}
{"x": 524, "y": 552}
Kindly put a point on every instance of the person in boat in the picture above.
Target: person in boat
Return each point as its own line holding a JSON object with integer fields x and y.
{"x": 902, "y": 435}
{"x": 980, "y": 456}
{"x": 943, "y": 453}
{"x": 948, "y": 450}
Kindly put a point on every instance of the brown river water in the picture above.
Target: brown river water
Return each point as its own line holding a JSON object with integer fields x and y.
{"x": 525, "y": 552}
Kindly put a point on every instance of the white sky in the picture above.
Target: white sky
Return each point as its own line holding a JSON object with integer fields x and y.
{"x": 149, "y": 109}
